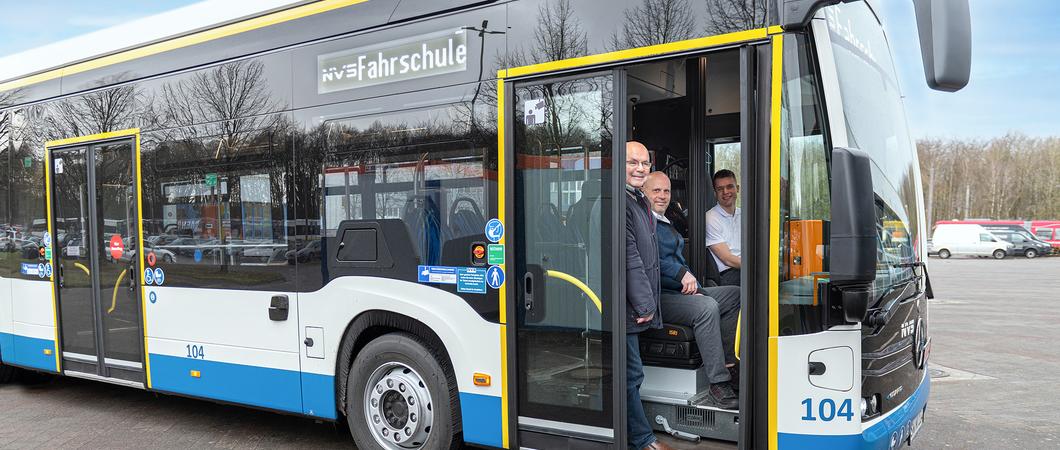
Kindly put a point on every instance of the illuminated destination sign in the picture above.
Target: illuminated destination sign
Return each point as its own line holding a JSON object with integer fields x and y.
{"x": 418, "y": 57}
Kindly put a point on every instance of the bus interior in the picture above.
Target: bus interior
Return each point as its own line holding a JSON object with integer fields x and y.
{"x": 661, "y": 105}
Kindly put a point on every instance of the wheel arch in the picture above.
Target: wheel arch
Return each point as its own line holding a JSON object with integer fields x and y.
{"x": 372, "y": 324}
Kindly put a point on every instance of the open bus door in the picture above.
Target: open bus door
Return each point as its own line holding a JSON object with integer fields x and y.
{"x": 566, "y": 340}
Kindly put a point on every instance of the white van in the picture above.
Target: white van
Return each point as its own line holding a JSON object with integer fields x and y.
{"x": 966, "y": 239}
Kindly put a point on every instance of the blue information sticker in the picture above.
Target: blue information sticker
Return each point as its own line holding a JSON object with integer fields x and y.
{"x": 153, "y": 296}
{"x": 494, "y": 230}
{"x": 149, "y": 276}
{"x": 29, "y": 269}
{"x": 198, "y": 255}
{"x": 495, "y": 277}
{"x": 160, "y": 276}
{"x": 436, "y": 274}
{"x": 471, "y": 280}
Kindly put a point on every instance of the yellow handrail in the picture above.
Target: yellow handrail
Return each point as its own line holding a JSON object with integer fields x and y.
{"x": 114, "y": 298}
{"x": 577, "y": 283}
{"x": 82, "y": 267}
{"x": 739, "y": 319}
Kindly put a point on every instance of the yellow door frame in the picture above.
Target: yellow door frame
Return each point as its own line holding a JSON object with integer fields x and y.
{"x": 771, "y": 35}
{"x": 49, "y": 146}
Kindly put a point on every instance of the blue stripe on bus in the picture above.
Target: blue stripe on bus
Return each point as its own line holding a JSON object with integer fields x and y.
{"x": 877, "y": 436}
{"x": 7, "y": 347}
{"x": 318, "y": 395}
{"x": 482, "y": 419}
{"x": 256, "y": 386}
{"x": 27, "y": 352}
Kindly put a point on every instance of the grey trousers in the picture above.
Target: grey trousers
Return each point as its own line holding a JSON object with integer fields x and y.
{"x": 730, "y": 277}
{"x": 712, "y": 317}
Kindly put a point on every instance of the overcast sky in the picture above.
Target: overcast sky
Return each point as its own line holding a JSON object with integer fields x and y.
{"x": 1014, "y": 57}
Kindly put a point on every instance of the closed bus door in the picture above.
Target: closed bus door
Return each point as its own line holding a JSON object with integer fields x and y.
{"x": 95, "y": 234}
{"x": 564, "y": 151}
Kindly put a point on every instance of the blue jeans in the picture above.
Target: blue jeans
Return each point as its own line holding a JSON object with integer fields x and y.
{"x": 638, "y": 429}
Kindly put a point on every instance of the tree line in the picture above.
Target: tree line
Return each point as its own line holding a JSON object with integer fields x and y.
{"x": 1009, "y": 177}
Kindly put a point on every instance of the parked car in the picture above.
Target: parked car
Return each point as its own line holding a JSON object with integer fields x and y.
{"x": 967, "y": 239}
{"x": 1024, "y": 243}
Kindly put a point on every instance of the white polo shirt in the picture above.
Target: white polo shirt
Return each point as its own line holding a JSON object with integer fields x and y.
{"x": 723, "y": 227}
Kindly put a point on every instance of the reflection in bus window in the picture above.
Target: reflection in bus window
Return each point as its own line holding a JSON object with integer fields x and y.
{"x": 215, "y": 204}
{"x": 418, "y": 166}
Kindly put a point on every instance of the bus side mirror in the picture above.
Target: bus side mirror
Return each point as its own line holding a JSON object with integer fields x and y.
{"x": 853, "y": 231}
{"x": 945, "y": 29}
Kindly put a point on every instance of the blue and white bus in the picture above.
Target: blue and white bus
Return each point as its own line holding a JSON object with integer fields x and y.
{"x": 400, "y": 214}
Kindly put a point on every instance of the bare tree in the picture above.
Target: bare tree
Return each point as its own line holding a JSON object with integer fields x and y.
{"x": 727, "y": 16}
{"x": 655, "y": 22}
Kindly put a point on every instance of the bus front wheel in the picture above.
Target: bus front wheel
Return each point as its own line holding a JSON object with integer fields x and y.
{"x": 399, "y": 396}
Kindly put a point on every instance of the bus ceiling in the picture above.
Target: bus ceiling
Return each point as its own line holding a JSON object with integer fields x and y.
{"x": 944, "y": 27}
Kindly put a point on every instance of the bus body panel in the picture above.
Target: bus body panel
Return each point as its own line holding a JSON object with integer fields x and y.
{"x": 28, "y": 337}
{"x": 473, "y": 344}
{"x": 227, "y": 338}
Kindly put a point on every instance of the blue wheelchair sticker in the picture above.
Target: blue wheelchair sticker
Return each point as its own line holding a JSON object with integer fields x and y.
{"x": 149, "y": 276}
{"x": 40, "y": 270}
{"x": 494, "y": 230}
{"x": 495, "y": 277}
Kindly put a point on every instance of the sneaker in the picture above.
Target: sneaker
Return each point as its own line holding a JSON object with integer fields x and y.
{"x": 723, "y": 396}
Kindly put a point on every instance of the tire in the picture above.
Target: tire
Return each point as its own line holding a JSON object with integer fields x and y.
{"x": 999, "y": 254}
{"x": 167, "y": 258}
{"x": 1031, "y": 253}
{"x": 377, "y": 374}
{"x": 7, "y": 374}
{"x": 944, "y": 254}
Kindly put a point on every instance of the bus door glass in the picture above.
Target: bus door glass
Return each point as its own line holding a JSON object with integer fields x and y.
{"x": 562, "y": 228}
{"x": 96, "y": 263}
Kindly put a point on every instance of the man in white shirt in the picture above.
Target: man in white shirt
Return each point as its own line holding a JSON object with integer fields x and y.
{"x": 723, "y": 228}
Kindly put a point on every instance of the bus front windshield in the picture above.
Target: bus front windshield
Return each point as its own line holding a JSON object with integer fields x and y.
{"x": 875, "y": 123}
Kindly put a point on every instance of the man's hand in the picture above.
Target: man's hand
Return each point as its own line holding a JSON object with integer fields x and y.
{"x": 641, "y": 320}
{"x": 688, "y": 284}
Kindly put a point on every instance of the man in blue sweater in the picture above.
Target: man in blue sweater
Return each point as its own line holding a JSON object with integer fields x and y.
{"x": 710, "y": 311}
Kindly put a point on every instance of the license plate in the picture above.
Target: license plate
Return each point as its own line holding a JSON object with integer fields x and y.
{"x": 915, "y": 424}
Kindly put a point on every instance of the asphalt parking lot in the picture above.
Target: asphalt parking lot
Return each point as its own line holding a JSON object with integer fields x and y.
{"x": 996, "y": 353}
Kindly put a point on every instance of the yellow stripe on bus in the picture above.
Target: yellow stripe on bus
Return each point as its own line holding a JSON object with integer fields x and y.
{"x": 503, "y": 291}
{"x": 51, "y": 232}
{"x": 774, "y": 230}
{"x": 200, "y": 37}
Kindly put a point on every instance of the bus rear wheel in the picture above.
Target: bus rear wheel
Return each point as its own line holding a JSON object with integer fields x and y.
{"x": 7, "y": 374}
{"x": 999, "y": 254}
{"x": 944, "y": 254}
{"x": 399, "y": 396}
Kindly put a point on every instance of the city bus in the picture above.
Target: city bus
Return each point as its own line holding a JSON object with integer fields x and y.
{"x": 402, "y": 215}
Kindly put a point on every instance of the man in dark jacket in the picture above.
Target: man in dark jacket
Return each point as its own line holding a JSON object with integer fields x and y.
{"x": 710, "y": 311}
{"x": 642, "y": 291}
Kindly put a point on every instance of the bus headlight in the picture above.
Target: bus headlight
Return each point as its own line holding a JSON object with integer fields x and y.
{"x": 870, "y": 406}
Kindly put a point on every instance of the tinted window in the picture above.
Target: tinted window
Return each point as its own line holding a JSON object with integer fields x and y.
{"x": 215, "y": 203}
{"x": 986, "y": 238}
{"x": 805, "y": 204}
{"x": 22, "y": 217}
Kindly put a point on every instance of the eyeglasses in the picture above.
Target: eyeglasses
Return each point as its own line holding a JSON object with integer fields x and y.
{"x": 635, "y": 164}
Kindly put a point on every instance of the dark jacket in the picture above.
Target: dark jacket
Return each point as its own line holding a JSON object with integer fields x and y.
{"x": 642, "y": 264}
{"x": 671, "y": 259}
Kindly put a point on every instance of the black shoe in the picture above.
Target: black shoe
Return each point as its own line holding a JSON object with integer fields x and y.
{"x": 723, "y": 396}
{"x": 734, "y": 378}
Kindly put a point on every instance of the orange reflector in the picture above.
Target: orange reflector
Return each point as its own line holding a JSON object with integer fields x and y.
{"x": 482, "y": 379}
{"x": 196, "y": 374}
